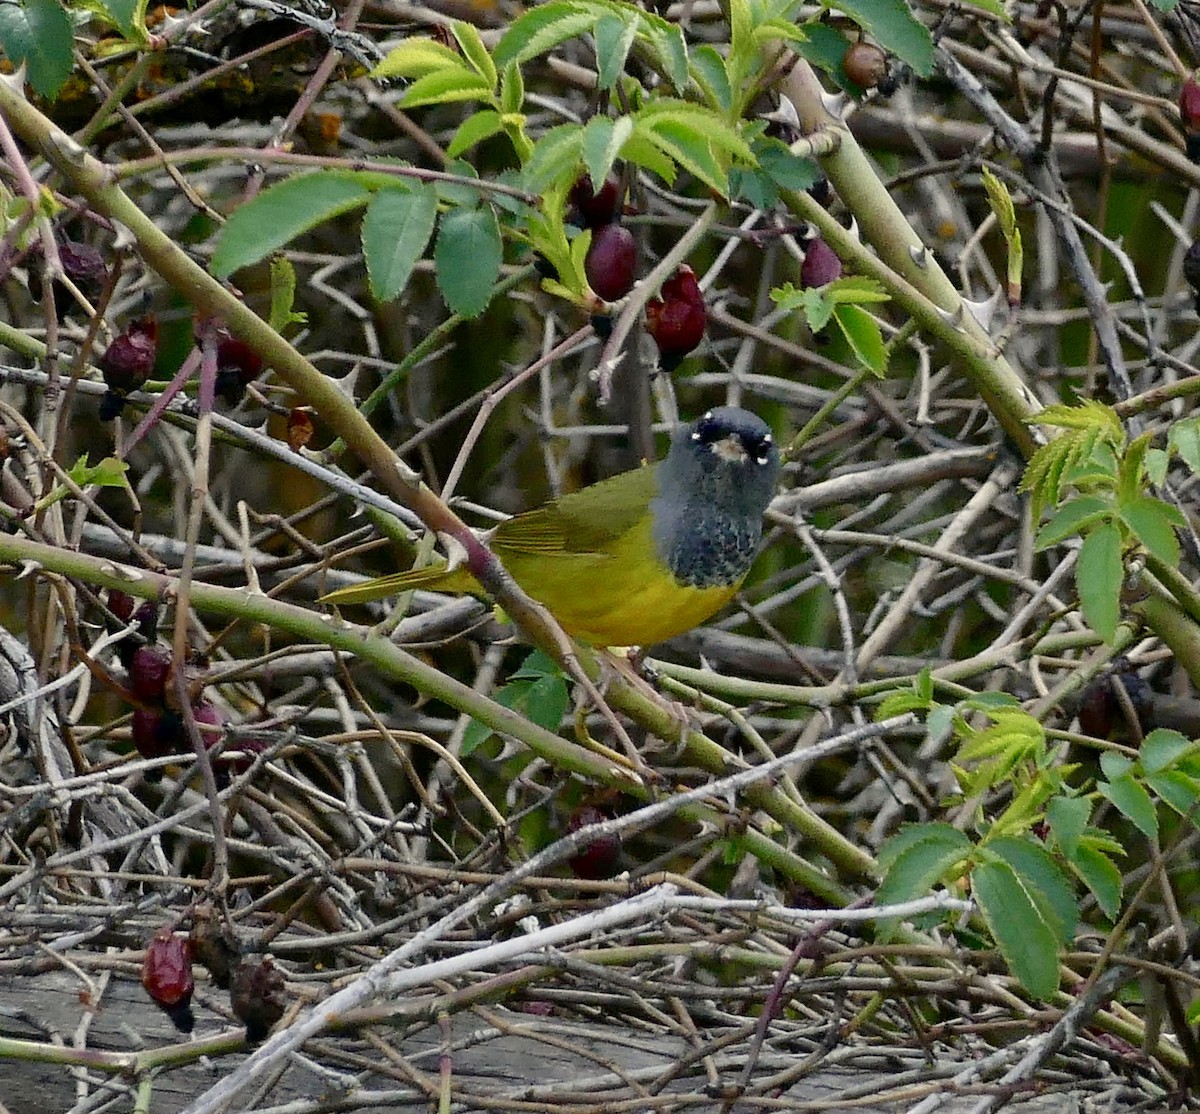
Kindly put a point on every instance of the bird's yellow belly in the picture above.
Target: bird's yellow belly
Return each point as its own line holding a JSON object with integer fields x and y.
{"x": 626, "y": 597}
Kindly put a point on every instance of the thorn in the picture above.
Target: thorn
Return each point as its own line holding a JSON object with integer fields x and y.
{"x": 952, "y": 317}
{"x": 835, "y": 104}
{"x": 853, "y": 229}
{"x": 785, "y": 114}
{"x": 985, "y": 312}
{"x": 16, "y": 81}
{"x": 920, "y": 254}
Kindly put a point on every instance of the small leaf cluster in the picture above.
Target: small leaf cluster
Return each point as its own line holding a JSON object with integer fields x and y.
{"x": 842, "y": 301}
{"x": 538, "y": 690}
{"x": 1024, "y": 864}
{"x": 1110, "y": 509}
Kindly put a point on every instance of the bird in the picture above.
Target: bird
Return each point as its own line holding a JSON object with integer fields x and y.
{"x": 638, "y": 558}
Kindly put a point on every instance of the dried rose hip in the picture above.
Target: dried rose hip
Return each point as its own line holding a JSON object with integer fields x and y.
{"x": 167, "y": 977}
{"x": 677, "y": 317}
{"x": 82, "y": 263}
{"x": 596, "y": 207}
{"x": 601, "y": 857}
{"x": 257, "y": 996}
{"x": 148, "y": 672}
{"x": 157, "y": 734}
{"x": 1101, "y": 714}
{"x": 865, "y": 64}
{"x": 821, "y": 265}
{"x": 213, "y": 944}
{"x": 237, "y": 365}
{"x": 127, "y": 363}
{"x": 611, "y": 263}
{"x": 1189, "y": 104}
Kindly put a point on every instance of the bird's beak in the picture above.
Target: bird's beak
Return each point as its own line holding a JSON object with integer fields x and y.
{"x": 730, "y": 449}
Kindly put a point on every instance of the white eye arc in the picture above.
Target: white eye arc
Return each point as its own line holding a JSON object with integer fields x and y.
{"x": 696, "y": 435}
{"x": 767, "y": 438}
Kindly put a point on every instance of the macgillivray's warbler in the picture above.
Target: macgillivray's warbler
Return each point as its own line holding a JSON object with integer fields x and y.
{"x": 640, "y": 557}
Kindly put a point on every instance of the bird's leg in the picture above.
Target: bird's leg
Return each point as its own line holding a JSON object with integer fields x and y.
{"x": 629, "y": 663}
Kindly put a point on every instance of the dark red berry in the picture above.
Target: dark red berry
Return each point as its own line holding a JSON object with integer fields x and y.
{"x": 865, "y": 64}
{"x": 611, "y": 263}
{"x": 821, "y": 266}
{"x": 596, "y": 208}
{"x": 601, "y": 857}
{"x": 83, "y": 264}
{"x": 121, "y": 604}
{"x": 1189, "y": 104}
{"x": 167, "y": 977}
{"x": 129, "y": 360}
{"x": 1101, "y": 713}
{"x": 213, "y": 944}
{"x": 257, "y": 996}
{"x": 676, "y": 319}
{"x": 158, "y": 734}
{"x": 148, "y": 672}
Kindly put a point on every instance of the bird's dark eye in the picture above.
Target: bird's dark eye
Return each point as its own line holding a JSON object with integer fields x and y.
{"x": 760, "y": 448}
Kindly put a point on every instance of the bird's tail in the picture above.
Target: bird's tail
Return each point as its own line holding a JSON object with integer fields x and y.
{"x": 437, "y": 577}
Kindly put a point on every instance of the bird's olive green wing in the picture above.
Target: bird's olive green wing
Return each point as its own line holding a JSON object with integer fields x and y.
{"x": 586, "y": 521}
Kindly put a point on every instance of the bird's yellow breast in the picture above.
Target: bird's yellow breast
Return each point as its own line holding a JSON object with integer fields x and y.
{"x": 624, "y": 596}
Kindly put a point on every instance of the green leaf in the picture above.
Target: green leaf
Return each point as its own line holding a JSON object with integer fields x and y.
{"x": 468, "y": 255}
{"x": 614, "y": 37}
{"x": 862, "y": 331}
{"x": 893, "y": 25}
{"x": 538, "y": 664}
{"x": 1068, "y": 817}
{"x": 899, "y": 703}
{"x": 541, "y": 29}
{"x": 1178, "y": 791}
{"x": 1098, "y": 576}
{"x": 708, "y": 72}
{"x": 129, "y": 16}
{"x": 603, "y": 139}
{"x": 512, "y": 90}
{"x": 1087, "y": 414}
{"x": 395, "y": 232}
{"x": 1166, "y": 6}
{"x": 1044, "y": 881}
{"x": 788, "y": 171}
{"x": 1100, "y": 875}
{"x": 913, "y": 860}
{"x": 556, "y": 157}
{"x": 39, "y": 33}
{"x": 281, "y": 213}
{"x": 1184, "y": 439}
{"x": 1027, "y": 942}
{"x": 546, "y": 702}
{"x": 110, "y": 472}
{"x": 1153, "y": 523}
{"x": 1001, "y": 203}
{"x": 856, "y": 290}
{"x": 1069, "y": 520}
{"x": 1133, "y": 802}
{"x": 691, "y": 149}
{"x": 1163, "y": 748}
{"x": 446, "y": 87}
{"x": 1157, "y": 463}
{"x": 467, "y": 36}
{"x": 996, "y": 7}
{"x": 417, "y": 56}
{"x": 474, "y": 129}
{"x": 824, "y": 47}
{"x": 283, "y": 295}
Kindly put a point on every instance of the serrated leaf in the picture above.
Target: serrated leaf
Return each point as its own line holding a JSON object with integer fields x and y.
{"x": 1069, "y": 520}
{"x": 417, "y": 56}
{"x": 899, "y": 703}
{"x": 1029, "y": 945}
{"x": 1163, "y": 748}
{"x": 614, "y": 37}
{"x": 541, "y": 29}
{"x": 1098, "y": 578}
{"x": 395, "y": 232}
{"x": 701, "y": 121}
{"x": 283, "y": 295}
{"x": 512, "y": 90}
{"x": 467, "y": 257}
{"x": 862, "y": 332}
{"x": 788, "y": 171}
{"x": 1157, "y": 463}
{"x": 537, "y": 664}
{"x": 603, "y": 139}
{"x": 546, "y": 702}
{"x": 691, "y": 150}
{"x": 824, "y": 47}
{"x": 1087, "y": 414}
{"x": 474, "y": 129}
{"x": 281, "y": 213}
{"x": 995, "y": 7}
{"x": 556, "y": 156}
{"x": 1001, "y": 202}
{"x": 1184, "y": 439}
{"x": 1100, "y": 874}
{"x": 668, "y": 47}
{"x": 1178, "y": 791}
{"x": 39, "y": 33}
{"x": 1044, "y": 881}
{"x": 857, "y": 290}
{"x": 467, "y": 36}
{"x": 1068, "y": 817}
{"x": 910, "y": 836}
{"x": 1130, "y": 798}
{"x": 446, "y": 86}
{"x": 893, "y": 25}
{"x": 1153, "y": 523}
{"x": 754, "y": 187}
{"x": 917, "y": 858}
{"x": 129, "y": 17}
{"x": 708, "y": 72}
